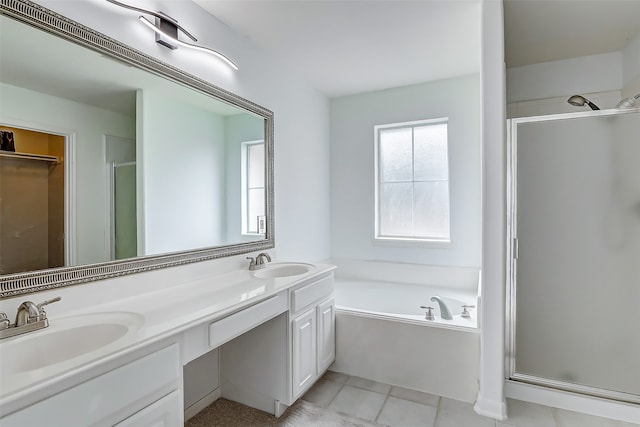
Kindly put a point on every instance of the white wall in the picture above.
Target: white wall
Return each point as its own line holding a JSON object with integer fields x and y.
{"x": 604, "y": 79}
{"x": 352, "y": 168}
{"x": 26, "y": 108}
{"x": 595, "y": 73}
{"x": 631, "y": 68}
{"x": 301, "y": 113}
{"x": 181, "y": 175}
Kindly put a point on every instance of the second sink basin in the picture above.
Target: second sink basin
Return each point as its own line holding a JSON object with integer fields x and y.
{"x": 283, "y": 269}
{"x": 64, "y": 339}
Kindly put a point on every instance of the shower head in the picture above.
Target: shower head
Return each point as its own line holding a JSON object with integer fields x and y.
{"x": 579, "y": 101}
{"x": 628, "y": 103}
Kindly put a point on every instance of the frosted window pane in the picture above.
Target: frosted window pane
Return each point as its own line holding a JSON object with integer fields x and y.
{"x": 256, "y": 165}
{"x": 430, "y": 145}
{"x": 431, "y": 209}
{"x": 255, "y": 209}
{"x": 395, "y": 153}
{"x": 395, "y": 209}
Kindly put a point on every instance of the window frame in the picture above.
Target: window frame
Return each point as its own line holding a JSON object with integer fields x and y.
{"x": 244, "y": 156}
{"x": 389, "y": 240}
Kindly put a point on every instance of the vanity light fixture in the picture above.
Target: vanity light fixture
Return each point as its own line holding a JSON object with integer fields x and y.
{"x": 166, "y": 29}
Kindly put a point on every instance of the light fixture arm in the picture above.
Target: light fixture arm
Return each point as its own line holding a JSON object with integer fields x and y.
{"x": 166, "y": 30}
{"x": 170, "y": 38}
{"x": 159, "y": 15}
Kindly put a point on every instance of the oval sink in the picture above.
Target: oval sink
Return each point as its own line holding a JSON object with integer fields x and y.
{"x": 277, "y": 270}
{"x": 65, "y": 339}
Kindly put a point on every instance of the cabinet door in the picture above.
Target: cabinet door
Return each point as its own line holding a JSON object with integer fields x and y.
{"x": 166, "y": 412}
{"x": 304, "y": 351}
{"x": 326, "y": 313}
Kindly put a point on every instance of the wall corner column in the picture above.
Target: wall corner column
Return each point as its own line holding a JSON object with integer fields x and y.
{"x": 491, "y": 400}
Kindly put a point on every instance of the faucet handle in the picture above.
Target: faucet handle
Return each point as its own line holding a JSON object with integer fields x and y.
{"x": 465, "y": 311}
{"x": 4, "y": 321}
{"x": 428, "y": 315}
{"x": 42, "y": 313}
{"x": 252, "y": 264}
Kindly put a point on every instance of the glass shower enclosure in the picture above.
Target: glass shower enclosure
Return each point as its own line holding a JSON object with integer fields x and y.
{"x": 574, "y": 252}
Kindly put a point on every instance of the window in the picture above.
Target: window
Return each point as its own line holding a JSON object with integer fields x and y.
{"x": 253, "y": 202}
{"x": 412, "y": 181}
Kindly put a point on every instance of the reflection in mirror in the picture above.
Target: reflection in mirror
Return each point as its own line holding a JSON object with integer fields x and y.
{"x": 111, "y": 161}
{"x": 32, "y": 201}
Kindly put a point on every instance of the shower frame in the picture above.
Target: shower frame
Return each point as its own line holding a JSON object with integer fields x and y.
{"x": 511, "y": 246}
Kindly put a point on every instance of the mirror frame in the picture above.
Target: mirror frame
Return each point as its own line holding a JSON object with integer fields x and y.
{"x": 37, "y": 16}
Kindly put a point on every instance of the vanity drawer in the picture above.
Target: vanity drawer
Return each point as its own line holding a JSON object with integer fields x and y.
{"x": 230, "y": 327}
{"x": 108, "y": 398}
{"x": 307, "y": 295}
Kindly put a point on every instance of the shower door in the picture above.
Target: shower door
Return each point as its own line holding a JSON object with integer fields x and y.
{"x": 574, "y": 252}
{"x": 124, "y": 218}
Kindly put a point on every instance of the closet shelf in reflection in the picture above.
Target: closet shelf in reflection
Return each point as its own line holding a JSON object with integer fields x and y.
{"x": 28, "y": 156}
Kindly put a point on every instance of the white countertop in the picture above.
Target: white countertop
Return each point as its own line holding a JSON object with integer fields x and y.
{"x": 151, "y": 316}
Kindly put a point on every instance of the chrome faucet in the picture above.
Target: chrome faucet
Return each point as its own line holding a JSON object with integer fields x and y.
{"x": 259, "y": 261}
{"x": 444, "y": 310}
{"x": 30, "y": 317}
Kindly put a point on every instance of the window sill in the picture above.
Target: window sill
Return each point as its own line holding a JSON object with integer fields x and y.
{"x": 411, "y": 243}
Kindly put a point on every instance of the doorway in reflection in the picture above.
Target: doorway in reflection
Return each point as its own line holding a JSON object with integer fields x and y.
{"x": 32, "y": 187}
{"x": 121, "y": 162}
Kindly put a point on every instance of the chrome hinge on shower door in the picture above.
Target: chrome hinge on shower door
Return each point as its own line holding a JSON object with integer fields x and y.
{"x": 514, "y": 248}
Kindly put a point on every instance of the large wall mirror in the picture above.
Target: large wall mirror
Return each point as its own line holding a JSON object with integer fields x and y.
{"x": 113, "y": 162}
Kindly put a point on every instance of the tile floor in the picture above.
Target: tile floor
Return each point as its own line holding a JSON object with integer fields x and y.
{"x": 399, "y": 407}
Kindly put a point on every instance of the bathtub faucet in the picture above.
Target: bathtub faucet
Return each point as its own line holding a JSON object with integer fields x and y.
{"x": 444, "y": 310}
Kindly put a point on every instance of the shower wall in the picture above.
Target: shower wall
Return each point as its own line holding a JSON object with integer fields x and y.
{"x": 578, "y": 270}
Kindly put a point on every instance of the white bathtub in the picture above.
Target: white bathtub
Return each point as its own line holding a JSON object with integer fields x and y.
{"x": 402, "y": 302}
{"x": 382, "y": 334}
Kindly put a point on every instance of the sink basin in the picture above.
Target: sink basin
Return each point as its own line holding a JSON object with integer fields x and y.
{"x": 285, "y": 269}
{"x": 65, "y": 338}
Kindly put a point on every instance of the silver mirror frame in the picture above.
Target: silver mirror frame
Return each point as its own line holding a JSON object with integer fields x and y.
{"x": 12, "y": 285}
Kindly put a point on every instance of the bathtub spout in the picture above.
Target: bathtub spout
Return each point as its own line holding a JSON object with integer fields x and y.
{"x": 444, "y": 310}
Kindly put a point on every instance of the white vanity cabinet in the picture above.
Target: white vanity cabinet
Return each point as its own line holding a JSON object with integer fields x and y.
{"x": 143, "y": 392}
{"x": 312, "y": 333}
{"x": 268, "y": 352}
{"x": 304, "y": 345}
{"x": 166, "y": 412}
{"x": 272, "y": 365}
{"x": 326, "y": 313}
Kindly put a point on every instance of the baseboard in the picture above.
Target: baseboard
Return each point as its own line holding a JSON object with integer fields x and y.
{"x": 192, "y": 410}
{"x": 496, "y": 409}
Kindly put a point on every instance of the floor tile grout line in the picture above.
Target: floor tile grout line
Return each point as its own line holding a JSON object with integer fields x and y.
{"x": 335, "y": 395}
{"x": 382, "y": 407}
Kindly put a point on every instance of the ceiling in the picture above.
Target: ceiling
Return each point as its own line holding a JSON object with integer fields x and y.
{"x": 345, "y": 47}
{"x": 352, "y": 46}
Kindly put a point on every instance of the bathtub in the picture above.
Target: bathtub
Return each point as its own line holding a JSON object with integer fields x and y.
{"x": 382, "y": 334}
{"x": 402, "y": 302}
